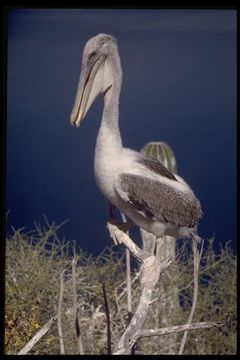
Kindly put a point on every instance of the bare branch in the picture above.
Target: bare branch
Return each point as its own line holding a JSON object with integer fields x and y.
{"x": 119, "y": 237}
{"x": 150, "y": 274}
{"x": 133, "y": 330}
{"x": 59, "y": 319}
{"x": 128, "y": 277}
{"x": 37, "y": 337}
{"x": 180, "y": 328}
{"x": 196, "y": 263}
{"x": 129, "y": 289}
{"x": 128, "y": 281}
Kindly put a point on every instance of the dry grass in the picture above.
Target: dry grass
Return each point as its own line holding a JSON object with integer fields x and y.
{"x": 35, "y": 260}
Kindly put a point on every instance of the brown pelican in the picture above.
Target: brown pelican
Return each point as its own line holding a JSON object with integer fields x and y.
{"x": 151, "y": 196}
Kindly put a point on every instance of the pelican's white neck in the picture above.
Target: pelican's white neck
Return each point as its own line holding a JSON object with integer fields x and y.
{"x": 109, "y": 144}
{"x": 109, "y": 139}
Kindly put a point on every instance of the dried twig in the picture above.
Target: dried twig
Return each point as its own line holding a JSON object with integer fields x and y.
{"x": 128, "y": 277}
{"x": 132, "y": 282}
{"x": 180, "y": 328}
{"x": 196, "y": 263}
{"x": 75, "y": 309}
{"x": 129, "y": 283}
{"x": 129, "y": 288}
{"x": 107, "y": 312}
{"x": 59, "y": 319}
{"x": 37, "y": 337}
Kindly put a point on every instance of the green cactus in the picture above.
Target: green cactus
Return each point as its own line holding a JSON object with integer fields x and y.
{"x": 162, "y": 152}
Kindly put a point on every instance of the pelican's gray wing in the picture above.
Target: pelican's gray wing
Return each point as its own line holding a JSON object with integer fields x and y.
{"x": 158, "y": 201}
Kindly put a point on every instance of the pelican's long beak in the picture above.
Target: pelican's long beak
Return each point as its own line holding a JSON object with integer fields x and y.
{"x": 95, "y": 78}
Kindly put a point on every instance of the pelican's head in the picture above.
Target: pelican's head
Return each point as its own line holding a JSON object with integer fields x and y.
{"x": 96, "y": 74}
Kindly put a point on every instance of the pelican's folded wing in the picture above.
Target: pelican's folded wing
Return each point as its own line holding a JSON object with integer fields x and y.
{"x": 158, "y": 201}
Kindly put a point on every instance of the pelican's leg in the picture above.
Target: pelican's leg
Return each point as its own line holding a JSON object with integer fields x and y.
{"x": 123, "y": 226}
{"x": 110, "y": 210}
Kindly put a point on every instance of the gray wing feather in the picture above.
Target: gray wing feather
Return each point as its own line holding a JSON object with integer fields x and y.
{"x": 156, "y": 166}
{"x": 160, "y": 202}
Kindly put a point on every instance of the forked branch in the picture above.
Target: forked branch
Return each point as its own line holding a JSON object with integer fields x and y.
{"x": 151, "y": 269}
